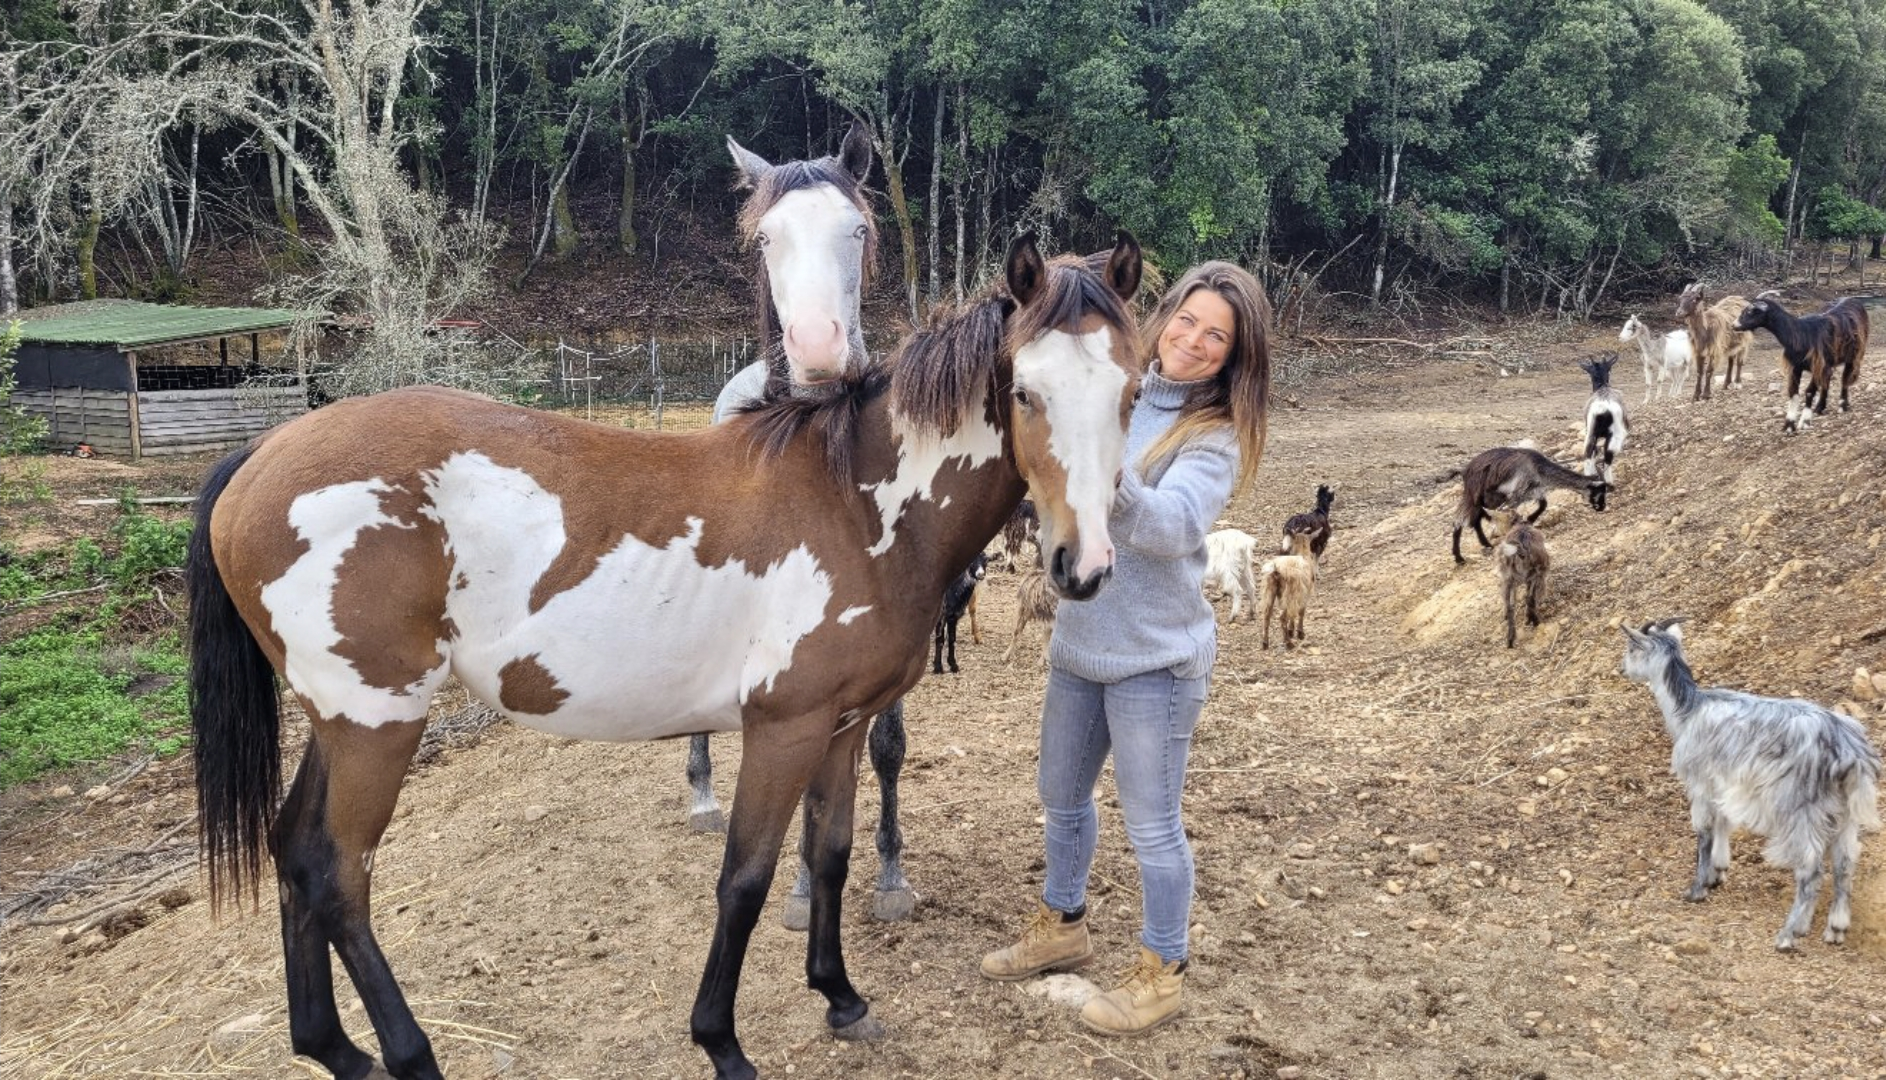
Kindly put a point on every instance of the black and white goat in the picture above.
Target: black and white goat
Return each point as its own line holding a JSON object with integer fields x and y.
{"x": 1508, "y": 477}
{"x": 1315, "y": 523}
{"x": 959, "y": 599}
{"x": 1607, "y": 422}
{"x": 1803, "y": 776}
{"x": 1814, "y": 345}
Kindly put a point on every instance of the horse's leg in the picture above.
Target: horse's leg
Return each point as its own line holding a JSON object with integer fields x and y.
{"x": 343, "y": 799}
{"x": 783, "y": 755}
{"x": 704, "y": 815}
{"x": 829, "y": 805}
{"x": 895, "y": 900}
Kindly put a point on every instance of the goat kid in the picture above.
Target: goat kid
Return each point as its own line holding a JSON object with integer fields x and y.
{"x": 1666, "y": 357}
{"x": 1288, "y": 583}
{"x": 1817, "y": 345}
{"x": 1229, "y": 554}
{"x": 1803, "y": 776}
{"x": 959, "y": 599}
{"x": 1315, "y": 522}
{"x": 1508, "y": 477}
{"x": 1607, "y": 423}
{"x": 1034, "y": 602}
{"x": 1523, "y": 561}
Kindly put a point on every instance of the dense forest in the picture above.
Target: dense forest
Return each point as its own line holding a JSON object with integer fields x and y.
{"x": 1538, "y": 156}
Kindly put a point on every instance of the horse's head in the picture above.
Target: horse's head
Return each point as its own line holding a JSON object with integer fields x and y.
{"x": 816, "y": 239}
{"x": 1075, "y": 373}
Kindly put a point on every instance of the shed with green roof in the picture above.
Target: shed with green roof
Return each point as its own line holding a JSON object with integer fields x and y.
{"x": 131, "y": 378}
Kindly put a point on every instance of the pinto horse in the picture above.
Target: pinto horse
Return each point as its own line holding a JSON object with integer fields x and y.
{"x": 608, "y": 584}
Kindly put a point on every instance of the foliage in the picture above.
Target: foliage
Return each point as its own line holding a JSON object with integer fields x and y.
{"x": 79, "y": 688}
{"x": 18, "y": 431}
{"x": 1839, "y": 216}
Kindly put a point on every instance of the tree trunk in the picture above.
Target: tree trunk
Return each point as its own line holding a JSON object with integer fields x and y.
{"x": 9, "y": 280}
{"x": 626, "y": 238}
{"x": 934, "y": 292}
{"x": 563, "y": 236}
{"x": 88, "y": 250}
{"x": 1787, "y": 214}
{"x": 1381, "y": 243}
{"x": 956, "y": 185}
{"x": 900, "y": 207}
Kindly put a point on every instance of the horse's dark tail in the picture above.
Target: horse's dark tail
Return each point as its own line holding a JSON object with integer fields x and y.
{"x": 235, "y": 716}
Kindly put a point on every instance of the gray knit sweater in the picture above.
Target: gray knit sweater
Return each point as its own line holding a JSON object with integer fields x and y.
{"x": 1152, "y": 615}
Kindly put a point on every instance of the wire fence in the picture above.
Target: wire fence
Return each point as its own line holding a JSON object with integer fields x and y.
{"x": 654, "y": 372}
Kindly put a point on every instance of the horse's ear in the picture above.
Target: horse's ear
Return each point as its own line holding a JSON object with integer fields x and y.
{"x": 855, "y": 153}
{"x": 1124, "y": 265}
{"x": 1027, "y": 273}
{"x": 751, "y": 166}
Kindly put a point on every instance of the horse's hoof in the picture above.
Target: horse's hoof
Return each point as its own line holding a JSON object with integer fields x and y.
{"x": 864, "y": 1029}
{"x": 707, "y": 821}
{"x": 894, "y": 905}
{"x": 797, "y": 914}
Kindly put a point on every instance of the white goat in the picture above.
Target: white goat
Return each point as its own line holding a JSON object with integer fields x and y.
{"x": 1803, "y": 776}
{"x": 1228, "y": 557}
{"x": 1666, "y": 357}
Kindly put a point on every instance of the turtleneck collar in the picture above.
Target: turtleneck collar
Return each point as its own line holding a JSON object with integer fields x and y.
{"x": 1161, "y": 392}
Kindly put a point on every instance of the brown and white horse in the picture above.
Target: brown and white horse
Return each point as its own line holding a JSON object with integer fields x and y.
{"x": 609, "y": 584}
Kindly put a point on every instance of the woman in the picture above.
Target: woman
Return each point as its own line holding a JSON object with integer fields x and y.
{"x": 1128, "y": 670}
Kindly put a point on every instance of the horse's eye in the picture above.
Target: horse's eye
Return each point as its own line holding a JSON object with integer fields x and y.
{"x": 1023, "y": 398}
{"x": 1137, "y": 394}
{"x": 762, "y": 239}
{"x": 861, "y": 231}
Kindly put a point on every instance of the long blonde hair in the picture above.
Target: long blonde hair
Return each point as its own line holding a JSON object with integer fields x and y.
{"x": 1237, "y": 397}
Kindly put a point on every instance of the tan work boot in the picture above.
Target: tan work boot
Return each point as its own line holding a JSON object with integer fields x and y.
{"x": 1149, "y": 997}
{"x": 1050, "y": 943}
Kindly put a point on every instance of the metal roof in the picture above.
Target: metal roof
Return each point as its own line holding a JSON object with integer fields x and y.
{"x": 132, "y": 324}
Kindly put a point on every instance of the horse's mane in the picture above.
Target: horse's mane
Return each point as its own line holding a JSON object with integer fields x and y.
{"x": 939, "y": 373}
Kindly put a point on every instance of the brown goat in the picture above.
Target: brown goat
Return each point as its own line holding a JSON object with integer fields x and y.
{"x": 1523, "y": 561}
{"x": 1287, "y": 583}
{"x": 1713, "y": 337}
{"x": 1034, "y": 602}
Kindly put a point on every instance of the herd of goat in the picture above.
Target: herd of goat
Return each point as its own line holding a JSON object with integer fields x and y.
{"x": 1801, "y": 775}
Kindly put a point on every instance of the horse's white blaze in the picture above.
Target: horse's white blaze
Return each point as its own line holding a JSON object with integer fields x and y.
{"x": 686, "y": 644}
{"x": 921, "y": 457}
{"x": 301, "y": 609}
{"x": 815, "y": 261}
{"x": 1075, "y": 375}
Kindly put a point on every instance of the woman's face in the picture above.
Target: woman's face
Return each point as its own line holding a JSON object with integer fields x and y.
{"x": 1197, "y": 339}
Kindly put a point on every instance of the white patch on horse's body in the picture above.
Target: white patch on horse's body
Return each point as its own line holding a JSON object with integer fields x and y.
{"x": 921, "y": 457}
{"x": 846, "y": 616}
{"x": 1076, "y": 376}
{"x": 651, "y": 643}
{"x": 301, "y": 609}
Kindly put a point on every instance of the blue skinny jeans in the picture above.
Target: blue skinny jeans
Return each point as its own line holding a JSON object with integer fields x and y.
{"x": 1146, "y": 722}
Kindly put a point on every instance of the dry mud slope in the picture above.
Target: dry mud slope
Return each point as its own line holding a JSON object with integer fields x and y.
{"x": 549, "y": 913}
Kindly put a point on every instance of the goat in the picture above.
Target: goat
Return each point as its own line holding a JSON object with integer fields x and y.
{"x": 1288, "y": 582}
{"x": 1819, "y": 344}
{"x": 1022, "y": 525}
{"x": 1034, "y": 602}
{"x": 1713, "y": 338}
{"x": 1666, "y": 357}
{"x": 1606, "y": 420}
{"x": 1228, "y": 556}
{"x": 1803, "y": 776}
{"x": 1523, "y": 561}
{"x": 1507, "y": 477}
{"x": 1736, "y": 348}
{"x": 958, "y": 599}
{"x": 1315, "y": 522}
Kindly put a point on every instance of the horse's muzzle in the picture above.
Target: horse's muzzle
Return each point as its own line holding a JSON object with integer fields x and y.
{"x": 1062, "y": 574}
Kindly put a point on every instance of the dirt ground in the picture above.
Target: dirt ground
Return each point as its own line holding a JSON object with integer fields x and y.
{"x": 548, "y": 912}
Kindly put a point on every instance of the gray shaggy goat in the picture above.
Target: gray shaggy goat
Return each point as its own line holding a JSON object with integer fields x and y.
{"x": 1803, "y": 776}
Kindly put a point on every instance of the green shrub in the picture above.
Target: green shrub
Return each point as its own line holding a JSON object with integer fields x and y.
{"x": 63, "y": 702}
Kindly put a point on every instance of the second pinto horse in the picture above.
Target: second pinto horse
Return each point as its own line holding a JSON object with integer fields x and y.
{"x": 610, "y": 584}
